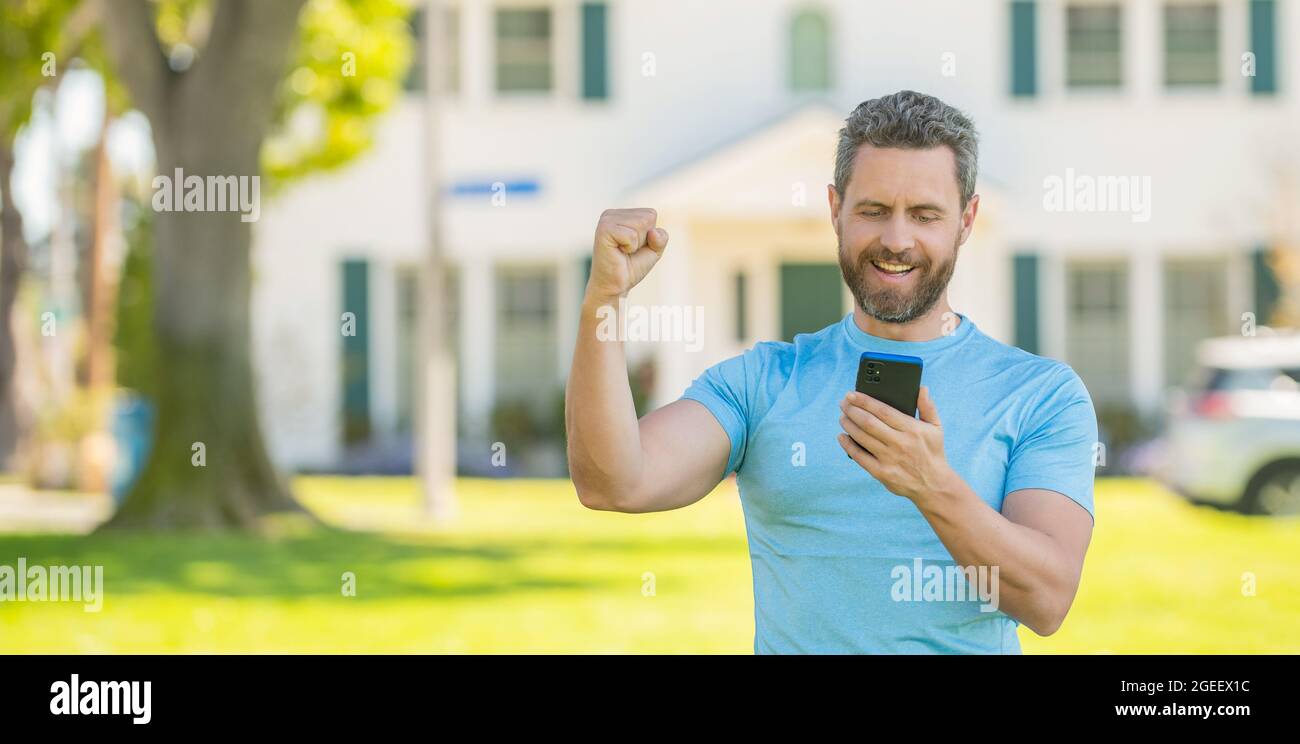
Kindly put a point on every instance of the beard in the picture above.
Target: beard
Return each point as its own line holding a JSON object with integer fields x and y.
{"x": 895, "y": 304}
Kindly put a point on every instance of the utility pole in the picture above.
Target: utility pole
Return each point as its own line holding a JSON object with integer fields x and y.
{"x": 435, "y": 422}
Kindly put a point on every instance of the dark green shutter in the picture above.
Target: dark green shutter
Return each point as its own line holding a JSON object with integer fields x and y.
{"x": 356, "y": 353}
{"x": 1024, "y": 49}
{"x": 1025, "y": 277}
{"x": 1263, "y": 43}
{"x": 810, "y": 297}
{"x": 595, "y": 67}
{"x": 1267, "y": 290}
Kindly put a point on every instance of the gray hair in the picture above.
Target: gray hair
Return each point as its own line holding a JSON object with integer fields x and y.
{"x": 910, "y": 121}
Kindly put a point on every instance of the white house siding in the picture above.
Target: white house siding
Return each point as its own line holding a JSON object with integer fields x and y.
{"x": 719, "y": 76}
{"x": 373, "y": 210}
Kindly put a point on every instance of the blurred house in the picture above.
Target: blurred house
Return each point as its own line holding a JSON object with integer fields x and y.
{"x": 1132, "y": 159}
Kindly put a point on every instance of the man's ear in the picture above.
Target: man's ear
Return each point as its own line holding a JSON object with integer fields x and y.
{"x": 968, "y": 217}
{"x": 833, "y": 197}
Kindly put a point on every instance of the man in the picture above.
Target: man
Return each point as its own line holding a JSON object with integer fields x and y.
{"x": 853, "y": 554}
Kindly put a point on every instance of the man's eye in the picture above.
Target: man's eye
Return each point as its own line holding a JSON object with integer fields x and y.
{"x": 924, "y": 219}
{"x": 872, "y": 213}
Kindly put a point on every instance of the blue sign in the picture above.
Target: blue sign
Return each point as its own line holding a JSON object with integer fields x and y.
{"x": 516, "y": 187}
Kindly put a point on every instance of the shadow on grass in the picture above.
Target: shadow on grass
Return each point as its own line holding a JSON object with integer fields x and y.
{"x": 311, "y": 563}
{"x": 301, "y": 566}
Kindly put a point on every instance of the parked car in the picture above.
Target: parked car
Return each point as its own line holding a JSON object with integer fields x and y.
{"x": 1234, "y": 431}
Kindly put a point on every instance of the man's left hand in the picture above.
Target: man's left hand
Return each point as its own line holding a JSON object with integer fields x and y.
{"x": 903, "y": 453}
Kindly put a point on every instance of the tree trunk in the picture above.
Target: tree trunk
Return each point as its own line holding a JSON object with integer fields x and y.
{"x": 208, "y": 467}
{"x": 99, "y": 299}
{"x": 13, "y": 264}
{"x": 95, "y": 456}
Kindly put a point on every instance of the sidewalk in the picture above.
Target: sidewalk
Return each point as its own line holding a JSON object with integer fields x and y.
{"x": 25, "y": 510}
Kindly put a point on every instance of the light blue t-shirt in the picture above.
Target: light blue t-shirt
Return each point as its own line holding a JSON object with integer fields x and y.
{"x": 842, "y": 565}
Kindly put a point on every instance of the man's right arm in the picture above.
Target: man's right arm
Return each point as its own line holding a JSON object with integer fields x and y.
{"x": 673, "y": 456}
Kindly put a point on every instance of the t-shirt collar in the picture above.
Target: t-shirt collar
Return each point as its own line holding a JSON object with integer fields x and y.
{"x": 867, "y": 342}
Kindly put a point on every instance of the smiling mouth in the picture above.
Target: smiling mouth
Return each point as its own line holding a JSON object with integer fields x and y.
{"x": 892, "y": 269}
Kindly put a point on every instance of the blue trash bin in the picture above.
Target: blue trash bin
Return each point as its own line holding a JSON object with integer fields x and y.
{"x": 133, "y": 433}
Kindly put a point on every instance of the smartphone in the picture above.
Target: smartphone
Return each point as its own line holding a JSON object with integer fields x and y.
{"x": 894, "y": 379}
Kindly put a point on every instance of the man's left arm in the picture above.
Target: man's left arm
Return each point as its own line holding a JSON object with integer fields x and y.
{"x": 1037, "y": 542}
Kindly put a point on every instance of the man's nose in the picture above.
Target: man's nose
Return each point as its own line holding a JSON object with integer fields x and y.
{"x": 897, "y": 236}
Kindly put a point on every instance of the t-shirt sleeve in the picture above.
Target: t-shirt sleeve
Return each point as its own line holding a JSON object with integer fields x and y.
{"x": 727, "y": 389}
{"x": 1056, "y": 449}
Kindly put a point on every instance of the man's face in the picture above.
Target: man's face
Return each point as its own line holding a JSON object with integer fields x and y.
{"x": 899, "y": 225}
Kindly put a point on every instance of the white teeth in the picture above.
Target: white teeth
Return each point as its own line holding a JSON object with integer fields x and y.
{"x": 892, "y": 268}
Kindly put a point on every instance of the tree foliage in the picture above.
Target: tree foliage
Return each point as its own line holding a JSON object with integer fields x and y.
{"x": 347, "y": 68}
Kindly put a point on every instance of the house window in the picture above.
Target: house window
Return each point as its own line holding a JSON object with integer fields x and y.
{"x": 529, "y": 296}
{"x": 1097, "y": 328}
{"x": 448, "y": 52}
{"x": 525, "y": 346}
{"x": 415, "y": 75}
{"x": 810, "y": 65}
{"x": 523, "y": 50}
{"x": 451, "y": 54}
{"x": 408, "y": 290}
{"x": 1195, "y": 308}
{"x": 1191, "y": 44}
{"x": 1092, "y": 49}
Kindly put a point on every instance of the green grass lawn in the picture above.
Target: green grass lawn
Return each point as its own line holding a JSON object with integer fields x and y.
{"x": 526, "y": 568}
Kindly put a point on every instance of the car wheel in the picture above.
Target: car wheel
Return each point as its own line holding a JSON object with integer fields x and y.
{"x": 1275, "y": 491}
